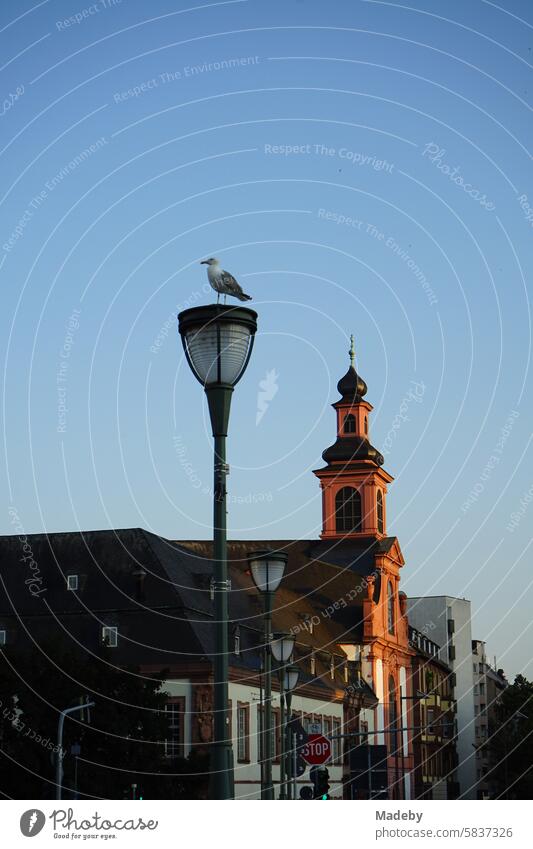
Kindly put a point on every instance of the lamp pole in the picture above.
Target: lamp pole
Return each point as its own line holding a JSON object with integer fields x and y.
{"x": 282, "y": 647}
{"x": 289, "y": 675}
{"x": 267, "y": 568}
{"x": 288, "y": 746}
{"x": 269, "y": 788}
{"x": 218, "y": 342}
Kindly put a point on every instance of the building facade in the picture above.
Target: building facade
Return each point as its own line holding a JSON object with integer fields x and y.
{"x": 435, "y": 725}
{"x": 489, "y": 684}
{"x": 447, "y": 620}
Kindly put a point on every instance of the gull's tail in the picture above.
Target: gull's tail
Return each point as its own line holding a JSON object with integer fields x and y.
{"x": 242, "y": 296}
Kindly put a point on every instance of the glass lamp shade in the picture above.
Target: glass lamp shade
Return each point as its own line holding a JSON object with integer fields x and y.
{"x": 282, "y": 646}
{"x": 267, "y": 568}
{"x": 290, "y": 677}
{"x": 218, "y": 342}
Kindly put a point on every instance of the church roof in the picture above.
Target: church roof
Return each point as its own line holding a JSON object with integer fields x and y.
{"x": 352, "y": 449}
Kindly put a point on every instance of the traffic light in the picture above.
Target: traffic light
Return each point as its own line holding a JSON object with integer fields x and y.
{"x": 320, "y": 779}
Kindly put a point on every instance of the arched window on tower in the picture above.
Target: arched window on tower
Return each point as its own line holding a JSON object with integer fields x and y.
{"x": 348, "y": 513}
{"x": 390, "y": 608}
{"x": 379, "y": 511}
{"x": 349, "y": 423}
{"x": 366, "y": 425}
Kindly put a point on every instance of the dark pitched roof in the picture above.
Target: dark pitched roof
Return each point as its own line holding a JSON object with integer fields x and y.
{"x": 324, "y": 585}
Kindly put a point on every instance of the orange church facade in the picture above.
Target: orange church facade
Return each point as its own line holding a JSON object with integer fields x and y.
{"x": 354, "y": 510}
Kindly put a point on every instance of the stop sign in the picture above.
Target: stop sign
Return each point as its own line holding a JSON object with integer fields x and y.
{"x": 317, "y": 750}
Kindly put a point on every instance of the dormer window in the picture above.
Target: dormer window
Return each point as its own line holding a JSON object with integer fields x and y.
{"x": 3, "y": 638}
{"x": 312, "y": 664}
{"x": 379, "y": 511}
{"x": 110, "y": 636}
{"x": 332, "y": 667}
{"x": 348, "y": 512}
{"x": 366, "y": 426}
{"x": 349, "y": 423}
{"x": 72, "y": 582}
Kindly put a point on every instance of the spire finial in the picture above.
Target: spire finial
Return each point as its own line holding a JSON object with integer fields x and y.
{"x": 352, "y": 351}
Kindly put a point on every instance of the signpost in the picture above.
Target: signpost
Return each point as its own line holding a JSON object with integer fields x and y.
{"x": 317, "y": 750}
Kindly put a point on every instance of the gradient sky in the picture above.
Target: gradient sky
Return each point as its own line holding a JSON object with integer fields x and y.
{"x": 391, "y": 113}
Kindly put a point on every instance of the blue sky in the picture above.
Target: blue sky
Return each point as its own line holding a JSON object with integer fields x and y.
{"x": 361, "y": 167}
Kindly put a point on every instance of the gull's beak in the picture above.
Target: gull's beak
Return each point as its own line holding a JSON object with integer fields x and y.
{"x": 204, "y": 262}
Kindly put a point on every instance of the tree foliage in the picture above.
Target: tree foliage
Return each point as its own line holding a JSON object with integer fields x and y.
{"x": 120, "y": 746}
{"x": 510, "y": 741}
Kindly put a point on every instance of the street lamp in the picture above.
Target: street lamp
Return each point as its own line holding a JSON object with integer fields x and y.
{"x": 282, "y": 647}
{"x": 289, "y": 676}
{"x": 267, "y": 568}
{"x": 218, "y": 341}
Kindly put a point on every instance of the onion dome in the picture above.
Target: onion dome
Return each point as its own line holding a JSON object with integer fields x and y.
{"x": 351, "y": 387}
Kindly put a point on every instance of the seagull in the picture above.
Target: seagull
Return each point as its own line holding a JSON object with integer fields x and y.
{"x": 223, "y": 282}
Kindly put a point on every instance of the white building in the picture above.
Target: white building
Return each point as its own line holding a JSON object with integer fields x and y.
{"x": 447, "y": 621}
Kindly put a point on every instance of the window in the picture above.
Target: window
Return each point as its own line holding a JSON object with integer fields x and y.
{"x": 379, "y": 509}
{"x": 174, "y": 714}
{"x": 348, "y": 515}
{"x": 349, "y": 424}
{"x": 363, "y": 728}
{"x": 336, "y": 742}
{"x": 3, "y": 638}
{"x": 390, "y": 607}
{"x": 332, "y": 667}
{"x": 326, "y": 727}
{"x": 312, "y": 664}
{"x": 237, "y": 640}
{"x": 366, "y": 425}
{"x": 346, "y": 672}
{"x": 481, "y": 689}
{"x": 72, "y": 582}
{"x": 110, "y": 636}
{"x": 243, "y": 732}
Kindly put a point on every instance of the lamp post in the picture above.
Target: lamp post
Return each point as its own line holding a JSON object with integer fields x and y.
{"x": 218, "y": 341}
{"x": 267, "y": 568}
{"x": 290, "y": 676}
{"x": 282, "y": 647}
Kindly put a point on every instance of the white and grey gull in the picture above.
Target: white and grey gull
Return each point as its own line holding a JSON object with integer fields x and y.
{"x": 223, "y": 282}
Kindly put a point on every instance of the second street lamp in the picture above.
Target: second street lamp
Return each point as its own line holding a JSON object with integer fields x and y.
{"x": 218, "y": 342}
{"x": 290, "y": 675}
{"x": 282, "y": 647}
{"x": 267, "y": 568}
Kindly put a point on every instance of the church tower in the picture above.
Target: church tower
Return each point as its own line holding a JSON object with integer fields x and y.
{"x": 353, "y": 483}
